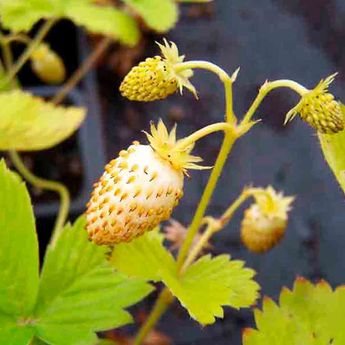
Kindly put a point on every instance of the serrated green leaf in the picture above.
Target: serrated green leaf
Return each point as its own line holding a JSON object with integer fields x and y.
{"x": 309, "y": 315}
{"x": 21, "y": 15}
{"x": 80, "y": 292}
{"x": 29, "y": 123}
{"x": 18, "y": 243}
{"x": 144, "y": 257}
{"x": 333, "y": 147}
{"x": 203, "y": 289}
{"x": 18, "y": 260}
{"x": 104, "y": 20}
{"x": 160, "y": 15}
{"x": 211, "y": 283}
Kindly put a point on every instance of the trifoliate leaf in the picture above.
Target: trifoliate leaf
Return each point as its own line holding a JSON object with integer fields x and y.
{"x": 211, "y": 283}
{"x": 160, "y": 15}
{"x": 104, "y": 20}
{"x": 18, "y": 260}
{"x": 143, "y": 257}
{"x": 21, "y": 15}
{"x": 309, "y": 315}
{"x": 80, "y": 292}
{"x": 333, "y": 147}
{"x": 29, "y": 123}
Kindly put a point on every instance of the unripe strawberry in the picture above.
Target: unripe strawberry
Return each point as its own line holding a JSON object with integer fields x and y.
{"x": 319, "y": 109}
{"x": 148, "y": 81}
{"x": 47, "y": 65}
{"x": 323, "y": 113}
{"x": 157, "y": 78}
{"x": 265, "y": 221}
{"x": 138, "y": 190}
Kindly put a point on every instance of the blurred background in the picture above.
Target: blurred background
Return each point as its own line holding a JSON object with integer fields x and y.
{"x": 301, "y": 40}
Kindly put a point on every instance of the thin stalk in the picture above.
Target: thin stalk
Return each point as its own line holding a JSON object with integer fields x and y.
{"x": 228, "y": 142}
{"x": 48, "y": 185}
{"x": 213, "y": 226}
{"x": 82, "y": 70}
{"x": 267, "y": 88}
{"x": 223, "y": 76}
{"x": 162, "y": 303}
{"x": 7, "y": 55}
{"x": 43, "y": 31}
{"x": 8, "y": 58}
{"x": 19, "y": 38}
{"x": 228, "y": 214}
{"x": 201, "y": 133}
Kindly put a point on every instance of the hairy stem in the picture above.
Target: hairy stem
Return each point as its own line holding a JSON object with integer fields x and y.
{"x": 228, "y": 214}
{"x": 228, "y": 142}
{"x": 82, "y": 70}
{"x": 162, "y": 303}
{"x": 223, "y": 76}
{"x": 212, "y": 227}
{"x": 266, "y": 89}
{"x": 48, "y": 185}
{"x": 201, "y": 133}
{"x": 43, "y": 31}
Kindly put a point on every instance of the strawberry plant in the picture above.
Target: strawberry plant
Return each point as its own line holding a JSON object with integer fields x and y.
{"x": 114, "y": 255}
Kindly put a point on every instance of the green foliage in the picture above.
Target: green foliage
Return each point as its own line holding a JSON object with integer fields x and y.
{"x": 29, "y": 123}
{"x": 78, "y": 293}
{"x": 309, "y": 315}
{"x": 333, "y": 147}
{"x": 202, "y": 289}
{"x": 105, "y": 20}
{"x": 144, "y": 257}
{"x": 18, "y": 259}
{"x": 160, "y": 15}
{"x": 211, "y": 283}
{"x": 21, "y": 15}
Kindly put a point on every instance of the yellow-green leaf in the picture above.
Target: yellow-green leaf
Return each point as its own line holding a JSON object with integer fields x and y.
{"x": 211, "y": 283}
{"x": 21, "y": 15}
{"x": 333, "y": 147}
{"x": 309, "y": 315}
{"x": 29, "y": 123}
{"x": 18, "y": 260}
{"x": 160, "y": 15}
{"x": 104, "y": 20}
{"x": 80, "y": 293}
{"x": 144, "y": 257}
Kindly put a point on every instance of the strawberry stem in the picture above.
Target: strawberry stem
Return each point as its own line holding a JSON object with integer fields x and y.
{"x": 41, "y": 34}
{"x": 266, "y": 88}
{"x": 48, "y": 185}
{"x": 163, "y": 301}
{"x": 223, "y": 76}
{"x": 201, "y": 133}
{"x": 228, "y": 142}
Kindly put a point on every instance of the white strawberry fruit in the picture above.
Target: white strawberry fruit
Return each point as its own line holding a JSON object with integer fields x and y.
{"x": 139, "y": 189}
